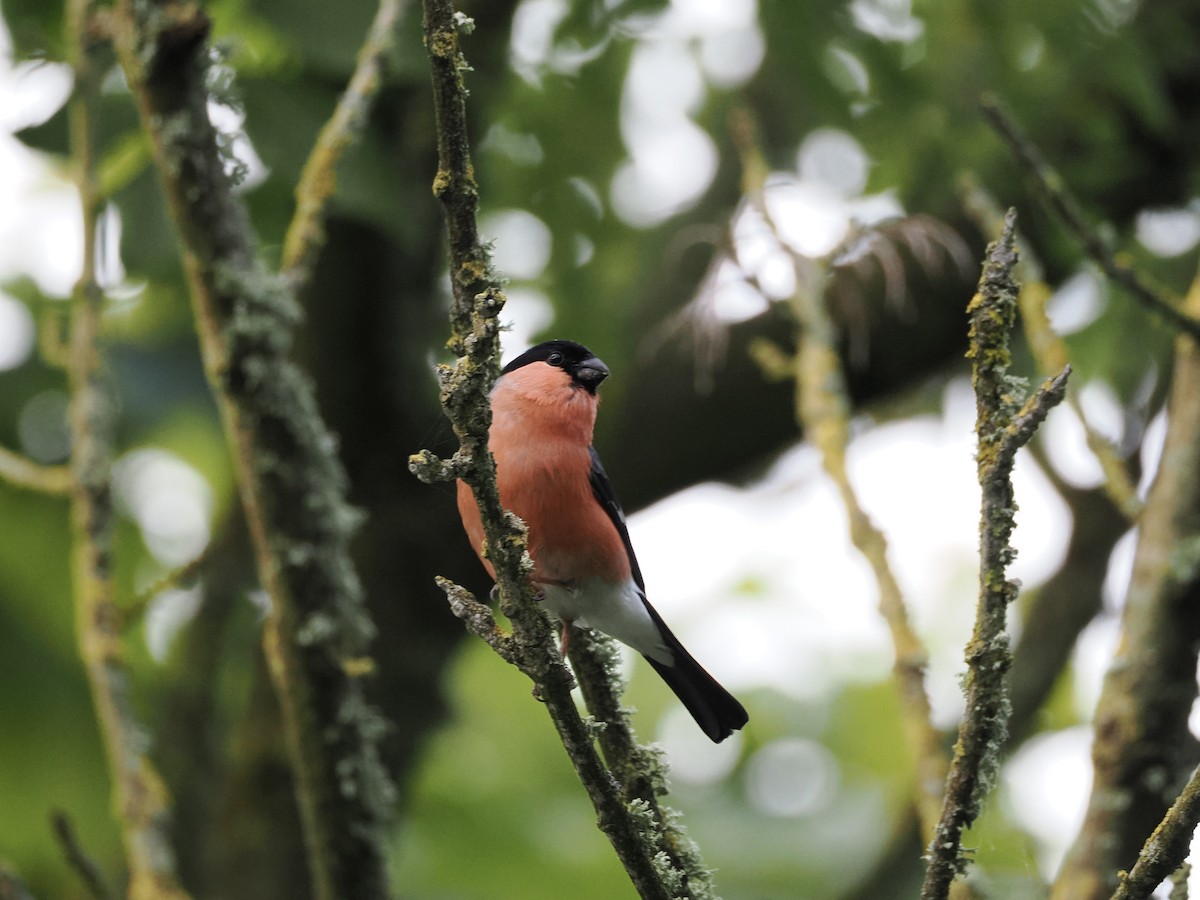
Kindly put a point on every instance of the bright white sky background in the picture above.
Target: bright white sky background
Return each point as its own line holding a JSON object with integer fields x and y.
{"x": 813, "y": 621}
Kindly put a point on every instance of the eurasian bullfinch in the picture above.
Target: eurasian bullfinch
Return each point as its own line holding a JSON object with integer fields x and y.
{"x": 543, "y": 411}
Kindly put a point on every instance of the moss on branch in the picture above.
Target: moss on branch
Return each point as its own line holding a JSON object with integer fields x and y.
{"x": 630, "y": 820}
{"x": 1167, "y": 847}
{"x": 1005, "y": 421}
{"x": 1143, "y": 749}
{"x": 318, "y": 181}
{"x": 292, "y": 485}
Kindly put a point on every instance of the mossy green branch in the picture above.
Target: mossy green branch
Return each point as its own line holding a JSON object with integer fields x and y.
{"x": 1167, "y": 848}
{"x": 640, "y": 771}
{"x": 1142, "y": 748}
{"x": 1005, "y": 422}
{"x": 140, "y": 797}
{"x": 318, "y": 181}
{"x": 1050, "y": 350}
{"x": 291, "y": 483}
{"x": 465, "y": 387}
{"x": 822, "y": 409}
{"x": 25, "y": 473}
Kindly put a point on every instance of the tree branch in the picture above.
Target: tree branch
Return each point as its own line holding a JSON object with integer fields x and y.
{"x": 1002, "y": 427}
{"x": 1167, "y": 848}
{"x": 25, "y": 473}
{"x": 465, "y": 389}
{"x": 92, "y": 877}
{"x": 1050, "y": 351}
{"x": 641, "y": 771}
{"x": 1143, "y": 749}
{"x": 822, "y": 410}
{"x": 140, "y": 797}
{"x": 1059, "y": 199}
{"x": 318, "y": 181}
{"x": 292, "y": 484}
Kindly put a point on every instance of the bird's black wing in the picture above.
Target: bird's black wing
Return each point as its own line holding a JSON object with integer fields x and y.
{"x": 602, "y": 490}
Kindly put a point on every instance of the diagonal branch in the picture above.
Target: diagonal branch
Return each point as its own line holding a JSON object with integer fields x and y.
{"x": 1003, "y": 426}
{"x": 306, "y": 232}
{"x": 477, "y": 300}
{"x": 641, "y": 771}
{"x": 1066, "y": 207}
{"x": 822, "y": 409}
{"x": 292, "y": 484}
{"x": 1167, "y": 848}
{"x": 78, "y": 858}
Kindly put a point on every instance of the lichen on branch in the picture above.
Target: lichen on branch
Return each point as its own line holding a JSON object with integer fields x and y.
{"x": 1005, "y": 422}
{"x": 292, "y": 484}
{"x": 634, "y": 826}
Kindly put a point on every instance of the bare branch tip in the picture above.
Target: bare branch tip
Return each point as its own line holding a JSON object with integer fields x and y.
{"x": 432, "y": 469}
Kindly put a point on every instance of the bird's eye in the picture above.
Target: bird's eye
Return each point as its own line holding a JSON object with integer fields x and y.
{"x": 555, "y": 358}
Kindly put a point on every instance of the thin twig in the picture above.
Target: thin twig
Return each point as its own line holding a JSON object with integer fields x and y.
{"x": 21, "y": 472}
{"x": 133, "y": 611}
{"x": 318, "y": 180}
{"x": 292, "y": 485}
{"x": 1002, "y": 427}
{"x": 140, "y": 797}
{"x": 78, "y": 858}
{"x": 477, "y": 301}
{"x": 1167, "y": 848}
{"x": 1068, "y": 209}
{"x": 1179, "y": 882}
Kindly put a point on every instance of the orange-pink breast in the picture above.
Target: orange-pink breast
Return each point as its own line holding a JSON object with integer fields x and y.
{"x": 540, "y": 436}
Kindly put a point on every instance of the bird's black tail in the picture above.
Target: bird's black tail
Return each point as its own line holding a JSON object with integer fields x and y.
{"x": 716, "y": 711}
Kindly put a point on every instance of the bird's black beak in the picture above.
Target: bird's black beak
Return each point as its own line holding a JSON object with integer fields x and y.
{"x": 590, "y": 373}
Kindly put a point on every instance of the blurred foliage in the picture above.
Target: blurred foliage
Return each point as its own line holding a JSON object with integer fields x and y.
{"x": 1108, "y": 90}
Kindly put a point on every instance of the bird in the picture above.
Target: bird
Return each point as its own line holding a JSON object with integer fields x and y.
{"x": 544, "y": 408}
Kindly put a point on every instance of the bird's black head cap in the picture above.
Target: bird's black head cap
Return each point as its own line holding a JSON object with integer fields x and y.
{"x": 575, "y": 359}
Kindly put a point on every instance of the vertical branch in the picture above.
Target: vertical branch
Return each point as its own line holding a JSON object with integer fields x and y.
{"x": 1050, "y": 351}
{"x": 139, "y": 794}
{"x": 1142, "y": 749}
{"x": 291, "y": 482}
{"x": 629, "y": 824}
{"x": 1003, "y": 426}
